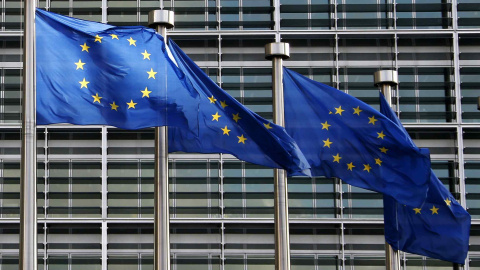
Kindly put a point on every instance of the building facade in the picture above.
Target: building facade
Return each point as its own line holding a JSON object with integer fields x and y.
{"x": 95, "y": 183}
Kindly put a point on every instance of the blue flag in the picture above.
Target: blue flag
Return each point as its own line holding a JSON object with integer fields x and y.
{"x": 226, "y": 126}
{"x": 344, "y": 137}
{"x": 438, "y": 228}
{"x": 90, "y": 73}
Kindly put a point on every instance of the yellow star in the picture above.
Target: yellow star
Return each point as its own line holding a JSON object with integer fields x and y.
{"x": 216, "y": 116}
{"x": 151, "y": 74}
{"x": 241, "y": 139}
{"x": 98, "y": 38}
{"x": 146, "y": 55}
{"x": 96, "y": 98}
{"x": 146, "y": 93}
{"x": 236, "y": 117}
{"x": 350, "y": 166}
{"x": 223, "y": 104}
{"x": 330, "y": 112}
{"x": 372, "y": 120}
{"x": 114, "y": 36}
{"x": 226, "y": 131}
{"x": 131, "y": 104}
{"x": 434, "y": 210}
{"x": 337, "y": 158}
{"x": 83, "y": 84}
{"x": 448, "y": 202}
{"x": 212, "y": 99}
{"x": 325, "y": 125}
{"x": 339, "y": 110}
{"x": 85, "y": 47}
{"x": 367, "y": 167}
{"x": 114, "y": 106}
{"x": 79, "y": 64}
{"x": 417, "y": 210}
{"x": 267, "y": 126}
{"x": 378, "y": 161}
{"x": 381, "y": 135}
{"x": 357, "y": 110}
{"x": 384, "y": 150}
{"x": 132, "y": 42}
{"x": 327, "y": 143}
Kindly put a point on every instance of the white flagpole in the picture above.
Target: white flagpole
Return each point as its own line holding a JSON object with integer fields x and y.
{"x": 386, "y": 79}
{"x": 278, "y": 51}
{"x": 161, "y": 20}
{"x": 28, "y": 174}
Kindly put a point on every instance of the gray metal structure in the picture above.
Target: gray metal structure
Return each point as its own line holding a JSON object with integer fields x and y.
{"x": 28, "y": 169}
{"x": 386, "y": 80}
{"x": 277, "y": 52}
{"x": 161, "y": 20}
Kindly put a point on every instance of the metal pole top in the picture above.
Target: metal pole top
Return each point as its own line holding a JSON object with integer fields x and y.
{"x": 161, "y": 17}
{"x": 277, "y": 49}
{"x": 386, "y": 77}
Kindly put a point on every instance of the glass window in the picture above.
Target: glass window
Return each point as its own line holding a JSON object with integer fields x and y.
{"x": 359, "y": 83}
{"x": 319, "y": 237}
{"x": 74, "y": 189}
{"x": 123, "y": 189}
{"x": 138, "y": 143}
{"x": 306, "y": 14}
{"x": 195, "y": 15}
{"x": 366, "y": 263}
{"x": 426, "y": 95}
{"x": 365, "y": 14}
{"x": 11, "y": 95}
{"x": 196, "y": 190}
{"x": 362, "y": 238}
{"x": 123, "y": 12}
{"x": 69, "y": 237}
{"x": 424, "y": 14}
{"x": 373, "y": 52}
{"x": 317, "y": 53}
{"x": 87, "y": 142}
{"x": 440, "y": 142}
{"x": 468, "y": 13}
{"x": 470, "y": 88}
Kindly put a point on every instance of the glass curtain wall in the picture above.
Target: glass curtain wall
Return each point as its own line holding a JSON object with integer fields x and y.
{"x": 95, "y": 184}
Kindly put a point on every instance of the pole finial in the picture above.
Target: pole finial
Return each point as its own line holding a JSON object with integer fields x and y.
{"x": 389, "y": 77}
{"x": 277, "y": 49}
{"x": 161, "y": 17}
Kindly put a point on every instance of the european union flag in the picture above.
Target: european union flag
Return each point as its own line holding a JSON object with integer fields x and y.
{"x": 343, "y": 137}
{"x": 226, "y": 126}
{"x": 90, "y": 73}
{"x": 438, "y": 228}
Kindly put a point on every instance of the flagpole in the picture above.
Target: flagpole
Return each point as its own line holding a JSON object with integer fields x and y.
{"x": 278, "y": 51}
{"x": 161, "y": 20}
{"x": 386, "y": 79}
{"x": 28, "y": 174}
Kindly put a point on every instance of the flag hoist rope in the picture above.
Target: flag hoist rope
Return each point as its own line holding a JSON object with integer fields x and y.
{"x": 28, "y": 167}
{"x": 161, "y": 20}
{"x": 278, "y": 51}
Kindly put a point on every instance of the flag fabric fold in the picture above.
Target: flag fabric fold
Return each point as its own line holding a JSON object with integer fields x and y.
{"x": 226, "y": 126}
{"x": 90, "y": 73}
{"x": 344, "y": 137}
{"x": 439, "y": 228}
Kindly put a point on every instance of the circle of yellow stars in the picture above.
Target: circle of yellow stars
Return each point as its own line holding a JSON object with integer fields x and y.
{"x": 337, "y": 158}
{"x": 434, "y": 210}
{"x": 131, "y": 42}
